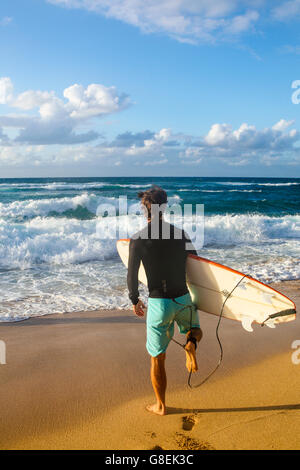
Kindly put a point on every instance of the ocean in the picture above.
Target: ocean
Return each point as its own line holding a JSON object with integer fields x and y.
{"x": 56, "y": 255}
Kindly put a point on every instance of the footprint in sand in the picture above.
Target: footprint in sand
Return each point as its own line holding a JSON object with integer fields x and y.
{"x": 188, "y": 443}
{"x": 185, "y": 442}
{"x": 188, "y": 422}
{"x": 150, "y": 434}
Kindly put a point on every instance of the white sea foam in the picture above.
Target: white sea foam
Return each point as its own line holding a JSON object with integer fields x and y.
{"x": 278, "y": 184}
{"x": 244, "y": 228}
{"x": 234, "y": 183}
{"x": 51, "y": 240}
{"x": 64, "y": 288}
{"x": 64, "y": 240}
{"x": 222, "y": 190}
{"x": 241, "y": 183}
{"x": 132, "y": 186}
{"x": 63, "y": 264}
{"x": 42, "y": 207}
{"x": 56, "y": 186}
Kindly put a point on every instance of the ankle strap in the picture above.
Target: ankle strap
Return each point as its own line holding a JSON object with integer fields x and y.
{"x": 193, "y": 340}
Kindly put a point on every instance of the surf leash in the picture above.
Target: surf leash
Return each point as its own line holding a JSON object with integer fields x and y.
{"x": 191, "y": 307}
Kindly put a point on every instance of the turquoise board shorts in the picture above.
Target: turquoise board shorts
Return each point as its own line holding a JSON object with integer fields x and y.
{"x": 161, "y": 315}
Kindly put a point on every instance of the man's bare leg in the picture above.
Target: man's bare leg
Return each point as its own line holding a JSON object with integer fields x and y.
{"x": 190, "y": 350}
{"x": 159, "y": 384}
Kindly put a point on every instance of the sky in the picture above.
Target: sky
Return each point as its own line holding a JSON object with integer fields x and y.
{"x": 149, "y": 88}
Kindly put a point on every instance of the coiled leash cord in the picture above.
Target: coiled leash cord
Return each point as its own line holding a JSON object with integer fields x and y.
{"x": 191, "y": 307}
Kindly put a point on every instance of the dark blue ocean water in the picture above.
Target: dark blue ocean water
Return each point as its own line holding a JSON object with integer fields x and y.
{"x": 270, "y": 196}
{"x": 55, "y": 255}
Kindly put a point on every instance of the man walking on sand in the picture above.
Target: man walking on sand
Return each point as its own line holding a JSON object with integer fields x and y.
{"x": 162, "y": 248}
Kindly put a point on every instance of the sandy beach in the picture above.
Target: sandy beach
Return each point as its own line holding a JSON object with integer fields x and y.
{"x": 81, "y": 381}
{"x": 146, "y": 148}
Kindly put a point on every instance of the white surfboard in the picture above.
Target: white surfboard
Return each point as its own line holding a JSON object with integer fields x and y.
{"x": 210, "y": 283}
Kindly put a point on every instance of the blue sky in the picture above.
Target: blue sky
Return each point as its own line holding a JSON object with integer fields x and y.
{"x": 169, "y": 87}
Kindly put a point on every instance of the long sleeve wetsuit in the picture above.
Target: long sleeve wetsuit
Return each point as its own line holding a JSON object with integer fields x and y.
{"x": 164, "y": 261}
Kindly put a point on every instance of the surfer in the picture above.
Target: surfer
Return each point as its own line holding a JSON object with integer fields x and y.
{"x": 162, "y": 248}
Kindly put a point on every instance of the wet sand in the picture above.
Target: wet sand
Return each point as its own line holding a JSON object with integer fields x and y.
{"x": 81, "y": 381}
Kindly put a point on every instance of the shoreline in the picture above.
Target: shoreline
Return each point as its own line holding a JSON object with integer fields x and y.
{"x": 81, "y": 380}
{"x": 276, "y": 285}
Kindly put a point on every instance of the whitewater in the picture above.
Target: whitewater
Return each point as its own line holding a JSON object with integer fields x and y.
{"x": 58, "y": 255}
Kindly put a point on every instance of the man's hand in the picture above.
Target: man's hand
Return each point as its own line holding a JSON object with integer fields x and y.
{"x": 138, "y": 308}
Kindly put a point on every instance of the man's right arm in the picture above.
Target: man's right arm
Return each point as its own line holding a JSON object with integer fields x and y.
{"x": 134, "y": 262}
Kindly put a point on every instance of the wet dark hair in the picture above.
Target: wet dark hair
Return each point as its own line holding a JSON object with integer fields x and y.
{"x": 154, "y": 195}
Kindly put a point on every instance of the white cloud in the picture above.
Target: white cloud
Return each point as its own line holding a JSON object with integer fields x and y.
{"x": 160, "y": 137}
{"x": 287, "y": 10}
{"x": 242, "y": 23}
{"x": 95, "y": 100}
{"x": 19, "y": 155}
{"x": 3, "y": 137}
{"x": 32, "y": 99}
{"x": 163, "y": 135}
{"x": 247, "y": 138}
{"x": 289, "y": 49}
{"x": 156, "y": 162}
{"x": 6, "y": 90}
{"x": 218, "y": 133}
{"x": 282, "y": 125}
{"x": 5, "y": 21}
{"x": 192, "y": 152}
{"x": 185, "y": 20}
{"x": 130, "y": 139}
{"x": 221, "y": 145}
{"x": 54, "y": 155}
{"x": 58, "y": 118}
{"x": 191, "y": 162}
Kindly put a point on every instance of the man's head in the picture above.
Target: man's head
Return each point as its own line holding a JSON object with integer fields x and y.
{"x": 154, "y": 195}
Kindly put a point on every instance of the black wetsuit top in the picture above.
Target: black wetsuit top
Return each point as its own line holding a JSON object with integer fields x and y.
{"x": 164, "y": 261}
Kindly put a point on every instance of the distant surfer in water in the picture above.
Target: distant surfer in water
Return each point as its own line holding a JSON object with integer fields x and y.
{"x": 162, "y": 248}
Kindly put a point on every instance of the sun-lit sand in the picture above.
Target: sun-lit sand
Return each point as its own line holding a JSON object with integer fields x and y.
{"x": 81, "y": 381}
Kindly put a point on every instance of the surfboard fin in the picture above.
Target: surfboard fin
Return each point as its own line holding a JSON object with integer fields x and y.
{"x": 270, "y": 323}
{"x": 246, "y": 323}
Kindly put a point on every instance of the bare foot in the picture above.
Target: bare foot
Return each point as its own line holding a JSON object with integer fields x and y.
{"x": 156, "y": 409}
{"x": 191, "y": 361}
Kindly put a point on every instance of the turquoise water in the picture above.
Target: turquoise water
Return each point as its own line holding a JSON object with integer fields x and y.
{"x": 56, "y": 256}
